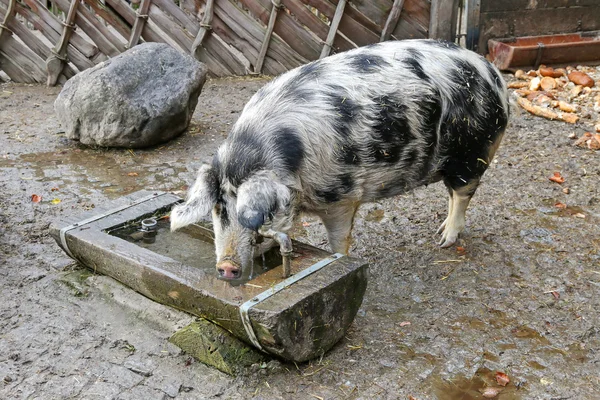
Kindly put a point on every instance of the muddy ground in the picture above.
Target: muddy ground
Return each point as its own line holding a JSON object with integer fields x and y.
{"x": 522, "y": 298}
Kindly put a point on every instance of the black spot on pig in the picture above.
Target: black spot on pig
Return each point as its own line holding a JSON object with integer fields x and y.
{"x": 249, "y": 155}
{"x": 348, "y": 154}
{"x": 391, "y": 130}
{"x": 289, "y": 146}
{"x": 340, "y": 186}
{"x": 415, "y": 67}
{"x": 367, "y": 62}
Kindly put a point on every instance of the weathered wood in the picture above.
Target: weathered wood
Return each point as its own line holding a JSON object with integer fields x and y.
{"x": 223, "y": 60}
{"x": 392, "y": 20}
{"x": 10, "y": 12}
{"x": 242, "y": 32}
{"x": 111, "y": 17}
{"x": 333, "y": 28}
{"x": 86, "y": 48}
{"x": 300, "y": 322}
{"x": 174, "y": 35}
{"x": 23, "y": 65}
{"x": 355, "y": 26}
{"x": 48, "y": 30}
{"x": 57, "y": 60}
{"x": 269, "y": 31}
{"x": 205, "y": 27}
{"x": 140, "y": 19}
{"x": 316, "y": 26}
{"x": 443, "y": 19}
{"x": 35, "y": 44}
{"x": 214, "y": 346}
{"x": 374, "y": 10}
{"x": 107, "y": 42}
{"x": 287, "y": 28}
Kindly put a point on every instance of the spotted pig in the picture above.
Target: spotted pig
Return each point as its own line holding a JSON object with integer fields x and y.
{"x": 355, "y": 127}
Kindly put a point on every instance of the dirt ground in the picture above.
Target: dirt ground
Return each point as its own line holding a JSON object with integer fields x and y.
{"x": 521, "y": 296}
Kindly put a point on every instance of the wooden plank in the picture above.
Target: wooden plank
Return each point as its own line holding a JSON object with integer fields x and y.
{"x": 375, "y": 10}
{"x": 205, "y": 27}
{"x": 56, "y": 61}
{"x": 517, "y": 5}
{"x": 244, "y": 33}
{"x": 267, "y": 39}
{"x": 443, "y": 18}
{"x": 333, "y": 28}
{"x": 35, "y": 44}
{"x": 89, "y": 50}
{"x": 74, "y": 55}
{"x": 8, "y": 16}
{"x": 104, "y": 38}
{"x": 287, "y": 28}
{"x": 32, "y": 66}
{"x": 140, "y": 19}
{"x": 537, "y": 22}
{"x": 150, "y": 33}
{"x": 222, "y": 60}
{"x": 14, "y": 70}
{"x": 392, "y": 20}
{"x": 356, "y": 20}
{"x": 218, "y": 58}
{"x": 111, "y": 17}
{"x": 172, "y": 31}
{"x": 315, "y": 25}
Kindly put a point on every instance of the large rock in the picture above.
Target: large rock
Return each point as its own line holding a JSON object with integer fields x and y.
{"x": 143, "y": 97}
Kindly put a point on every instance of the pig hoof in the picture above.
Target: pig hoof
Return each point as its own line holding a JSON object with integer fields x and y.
{"x": 442, "y": 226}
{"x": 449, "y": 237}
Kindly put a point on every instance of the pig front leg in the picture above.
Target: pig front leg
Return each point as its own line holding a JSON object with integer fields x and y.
{"x": 338, "y": 220}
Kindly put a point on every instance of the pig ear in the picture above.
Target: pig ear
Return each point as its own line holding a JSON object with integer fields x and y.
{"x": 259, "y": 198}
{"x": 201, "y": 198}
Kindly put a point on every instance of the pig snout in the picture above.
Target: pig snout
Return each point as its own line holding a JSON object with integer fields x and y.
{"x": 228, "y": 270}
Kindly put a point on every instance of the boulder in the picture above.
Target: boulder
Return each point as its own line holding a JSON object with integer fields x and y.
{"x": 140, "y": 98}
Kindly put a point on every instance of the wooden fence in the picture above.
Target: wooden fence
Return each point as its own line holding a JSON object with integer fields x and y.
{"x": 50, "y": 41}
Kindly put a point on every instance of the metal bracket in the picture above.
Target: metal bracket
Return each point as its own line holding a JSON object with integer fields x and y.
{"x": 63, "y": 231}
{"x": 244, "y": 308}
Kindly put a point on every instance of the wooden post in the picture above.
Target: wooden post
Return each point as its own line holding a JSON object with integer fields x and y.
{"x": 9, "y": 13}
{"x": 443, "y": 19}
{"x": 56, "y": 61}
{"x": 265, "y": 44}
{"x": 473, "y": 12}
{"x": 392, "y": 20}
{"x": 335, "y": 23}
{"x": 140, "y": 18}
{"x": 204, "y": 28}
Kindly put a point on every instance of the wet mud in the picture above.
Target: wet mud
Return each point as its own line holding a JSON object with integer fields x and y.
{"x": 519, "y": 293}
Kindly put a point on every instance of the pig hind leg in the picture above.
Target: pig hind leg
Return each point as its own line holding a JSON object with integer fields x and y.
{"x": 462, "y": 177}
{"x": 459, "y": 199}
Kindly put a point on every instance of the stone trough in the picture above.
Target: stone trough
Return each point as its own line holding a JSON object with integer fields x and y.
{"x": 297, "y": 318}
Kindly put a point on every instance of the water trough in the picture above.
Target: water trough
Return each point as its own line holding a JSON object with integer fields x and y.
{"x": 295, "y": 318}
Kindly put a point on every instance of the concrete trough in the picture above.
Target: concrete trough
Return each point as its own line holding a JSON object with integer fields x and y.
{"x": 297, "y": 318}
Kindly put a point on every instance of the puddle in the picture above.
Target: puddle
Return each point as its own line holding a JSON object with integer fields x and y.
{"x": 115, "y": 172}
{"x": 191, "y": 246}
{"x": 464, "y": 388}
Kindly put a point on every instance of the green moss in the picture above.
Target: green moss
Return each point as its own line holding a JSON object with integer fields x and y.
{"x": 216, "y": 347}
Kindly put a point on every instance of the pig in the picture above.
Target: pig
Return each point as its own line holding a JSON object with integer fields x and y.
{"x": 358, "y": 126}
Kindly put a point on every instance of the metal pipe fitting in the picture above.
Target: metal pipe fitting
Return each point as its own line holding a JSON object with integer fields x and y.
{"x": 150, "y": 230}
{"x": 285, "y": 246}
